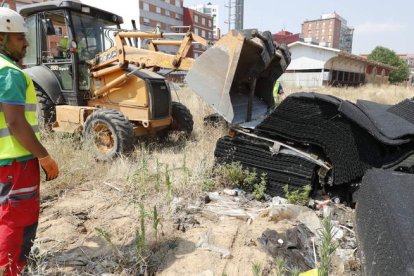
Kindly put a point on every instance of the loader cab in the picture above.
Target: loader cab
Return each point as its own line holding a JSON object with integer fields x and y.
{"x": 63, "y": 35}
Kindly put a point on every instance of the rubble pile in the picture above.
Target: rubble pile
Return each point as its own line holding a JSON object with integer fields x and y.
{"x": 351, "y": 138}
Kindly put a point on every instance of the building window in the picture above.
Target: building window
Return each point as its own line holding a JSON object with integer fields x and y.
{"x": 146, "y": 6}
{"x": 178, "y": 16}
{"x": 178, "y": 3}
{"x": 310, "y": 26}
{"x": 196, "y": 30}
{"x": 209, "y": 23}
{"x": 196, "y": 18}
{"x": 167, "y": 12}
{"x": 167, "y": 1}
{"x": 59, "y": 31}
{"x": 203, "y": 21}
{"x": 158, "y": 10}
{"x": 203, "y": 33}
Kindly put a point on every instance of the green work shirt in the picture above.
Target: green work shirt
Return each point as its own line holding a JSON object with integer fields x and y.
{"x": 13, "y": 87}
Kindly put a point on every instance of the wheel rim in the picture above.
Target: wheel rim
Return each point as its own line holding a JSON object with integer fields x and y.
{"x": 103, "y": 138}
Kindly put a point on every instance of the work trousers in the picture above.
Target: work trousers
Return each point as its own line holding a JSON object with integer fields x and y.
{"x": 19, "y": 213}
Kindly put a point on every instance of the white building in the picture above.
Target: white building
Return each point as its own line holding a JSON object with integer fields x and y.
{"x": 316, "y": 66}
{"x": 213, "y": 11}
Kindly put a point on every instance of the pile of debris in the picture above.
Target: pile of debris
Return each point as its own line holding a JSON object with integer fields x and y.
{"x": 348, "y": 138}
{"x": 235, "y": 234}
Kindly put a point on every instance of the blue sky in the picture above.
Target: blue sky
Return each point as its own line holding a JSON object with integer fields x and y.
{"x": 377, "y": 23}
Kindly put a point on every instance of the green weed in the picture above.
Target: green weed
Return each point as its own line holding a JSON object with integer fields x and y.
{"x": 260, "y": 188}
{"x": 280, "y": 263}
{"x": 257, "y": 269}
{"x": 297, "y": 197}
{"x": 327, "y": 247}
{"x": 234, "y": 175}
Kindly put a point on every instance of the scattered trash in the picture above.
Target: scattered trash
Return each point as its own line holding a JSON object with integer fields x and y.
{"x": 206, "y": 244}
{"x": 277, "y": 200}
{"x": 312, "y": 272}
{"x": 294, "y": 245}
{"x": 213, "y": 196}
{"x": 182, "y": 224}
{"x": 231, "y": 192}
{"x": 294, "y": 212}
{"x": 177, "y": 204}
{"x": 337, "y": 232}
{"x": 230, "y": 206}
{"x": 327, "y": 211}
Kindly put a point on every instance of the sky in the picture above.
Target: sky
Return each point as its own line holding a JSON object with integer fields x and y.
{"x": 377, "y": 23}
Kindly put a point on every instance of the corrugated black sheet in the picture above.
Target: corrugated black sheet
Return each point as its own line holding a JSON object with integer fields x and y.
{"x": 280, "y": 169}
{"x": 352, "y": 137}
{"x": 404, "y": 109}
{"x": 349, "y": 148}
{"x": 385, "y": 223}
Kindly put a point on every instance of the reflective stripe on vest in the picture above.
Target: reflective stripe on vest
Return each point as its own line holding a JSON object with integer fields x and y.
{"x": 6, "y": 132}
{"x": 10, "y": 147}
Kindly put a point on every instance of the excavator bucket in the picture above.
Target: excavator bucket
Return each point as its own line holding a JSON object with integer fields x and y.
{"x": 236, "y": 76}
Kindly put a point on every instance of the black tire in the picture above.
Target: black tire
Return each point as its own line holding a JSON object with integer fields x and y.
{"x": 109, "y": 133}
{"x": 46, "y": 109}
{"x": 182, "y": 118}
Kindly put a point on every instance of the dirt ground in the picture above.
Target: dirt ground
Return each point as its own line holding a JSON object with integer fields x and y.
{"x": 92, "y": 230}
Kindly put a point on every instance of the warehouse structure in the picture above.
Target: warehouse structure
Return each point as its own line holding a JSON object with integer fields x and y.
{"x": 316, "y": 66}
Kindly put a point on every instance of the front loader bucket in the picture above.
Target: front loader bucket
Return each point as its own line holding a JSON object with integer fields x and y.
{"x": 236, "y": 76}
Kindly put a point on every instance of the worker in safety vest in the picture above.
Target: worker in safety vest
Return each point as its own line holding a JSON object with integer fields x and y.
{"x": 20, "y": 149}
{"x": 278, "y": 93}
{"x": 63, "y": 46}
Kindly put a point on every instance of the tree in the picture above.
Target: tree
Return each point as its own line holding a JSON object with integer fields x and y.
{"x": 387, "y": 56}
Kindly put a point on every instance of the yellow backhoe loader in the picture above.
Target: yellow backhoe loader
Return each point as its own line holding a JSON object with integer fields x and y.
{"x": 91, "y": 77}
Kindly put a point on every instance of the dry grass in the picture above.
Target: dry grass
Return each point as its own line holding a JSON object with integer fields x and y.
{"x": 155, "y": 174}
{"x": 78, "y": 166}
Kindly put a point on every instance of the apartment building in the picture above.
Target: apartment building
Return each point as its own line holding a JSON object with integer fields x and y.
{"x": 285, "y": 37}
{"x": 213, "y": 11}
{"x": 330, "y": 30}
{"x": 201, "y": 24}
{"x": 166, "y": 15}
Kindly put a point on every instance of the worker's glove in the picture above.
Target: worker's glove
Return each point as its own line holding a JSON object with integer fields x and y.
{"x": 50, "y": 167}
